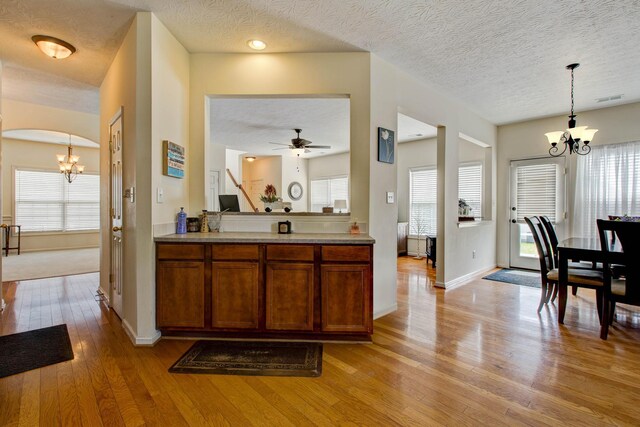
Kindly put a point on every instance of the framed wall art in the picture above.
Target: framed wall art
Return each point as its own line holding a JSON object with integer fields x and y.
{"x": 172, "y": 159}
{"x": 385, "y": 145}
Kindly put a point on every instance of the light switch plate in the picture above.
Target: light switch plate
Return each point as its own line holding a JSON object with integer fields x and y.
{"x": 390, "y": 197}
{"x": 160, "y": 195}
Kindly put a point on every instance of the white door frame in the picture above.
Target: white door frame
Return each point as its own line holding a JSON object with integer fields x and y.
{"x": 516, "y": 260}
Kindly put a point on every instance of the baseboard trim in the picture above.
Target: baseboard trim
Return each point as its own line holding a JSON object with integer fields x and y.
{"x": 140, "y": 341}
{"x": 67, "y": 248}
{"x": 459, "y": 281}
{"x": 385, "y": 311}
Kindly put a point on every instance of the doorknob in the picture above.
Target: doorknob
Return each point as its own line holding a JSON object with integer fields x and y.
{"x": 513, "y": 221}
{"x": 117, "y": 228}
{"x": 513, "y": 208}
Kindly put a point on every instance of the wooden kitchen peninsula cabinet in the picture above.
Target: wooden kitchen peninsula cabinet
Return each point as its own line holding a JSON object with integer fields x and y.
{"x": 265, "y": 287}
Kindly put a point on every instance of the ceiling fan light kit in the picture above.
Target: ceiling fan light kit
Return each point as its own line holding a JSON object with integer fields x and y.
{"x": 573, "y": 136}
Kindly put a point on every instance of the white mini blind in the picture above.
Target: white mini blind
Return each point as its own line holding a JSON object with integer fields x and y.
{"x": 324, "y": 192}
{"x": 45, "y": 201}
{"x": 470, "y": 187}
{"x": 423, "y": 213}
{"x": 536, "y": 187}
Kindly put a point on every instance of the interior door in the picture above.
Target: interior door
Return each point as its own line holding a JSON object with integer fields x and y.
{"x": 214, "y": 188}
{"x": 115, "y": 277}
{"x": 537, "y": 188}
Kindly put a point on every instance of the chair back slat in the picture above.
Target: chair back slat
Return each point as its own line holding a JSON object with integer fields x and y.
{"x": 628, "y": 234}
{"x": 542, "y": 245}
{"x": 553, "y": 237}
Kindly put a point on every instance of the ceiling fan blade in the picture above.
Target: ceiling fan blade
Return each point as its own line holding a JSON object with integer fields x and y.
{"x": 318, "y": 146}
{"x": 305, "y": 141}
{"x": 281, "y": 148}
{"x": 279, "y": 143}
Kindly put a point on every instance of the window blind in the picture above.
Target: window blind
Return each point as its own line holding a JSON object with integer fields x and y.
{"x": 423, "y": 186}
{"x": 470, "y": 187}
{"x": 324, "y": 192}
{"x": 46, "y": 202}
{"x": 536, "y": 187}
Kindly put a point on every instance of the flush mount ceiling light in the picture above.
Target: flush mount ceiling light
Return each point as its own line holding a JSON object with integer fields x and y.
{"x": 256, "y": 44}
{"x": 53, "y": 47}
{"x": 573, "y": 136}
{"x": 250, "y": 158}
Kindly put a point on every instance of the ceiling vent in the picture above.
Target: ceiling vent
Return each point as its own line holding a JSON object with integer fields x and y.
{"x": 609, "y": 98}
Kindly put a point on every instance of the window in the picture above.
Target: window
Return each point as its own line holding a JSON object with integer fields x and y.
{"x": 423, "y": 212}
{"x": 607, "y": 183}
{"x": 470, "y": 187}
{"x": 536, "y": 190}
{"x": 324, "y": 192}
{"x": 45, "y": 201}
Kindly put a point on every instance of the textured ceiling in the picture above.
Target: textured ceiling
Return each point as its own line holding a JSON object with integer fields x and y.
{"x": 504, "y": 59}
{"x": 49, "y": 137}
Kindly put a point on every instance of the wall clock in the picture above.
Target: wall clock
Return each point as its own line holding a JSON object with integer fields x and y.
{"x": 295, "y": 190}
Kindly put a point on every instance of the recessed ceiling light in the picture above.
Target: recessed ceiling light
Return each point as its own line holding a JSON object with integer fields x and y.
{"x": 257, "y": 44}
{"x": 53, "y": 47}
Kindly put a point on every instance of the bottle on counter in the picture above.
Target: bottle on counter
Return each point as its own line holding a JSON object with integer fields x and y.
{"x": 204, "y": 222}
{"x": 182, "y": 222}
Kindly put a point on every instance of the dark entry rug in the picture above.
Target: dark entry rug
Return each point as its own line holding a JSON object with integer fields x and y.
{"x": 288, "y": 359}
{"x": 34, "y": 349}
{"x": 517, "y": 277}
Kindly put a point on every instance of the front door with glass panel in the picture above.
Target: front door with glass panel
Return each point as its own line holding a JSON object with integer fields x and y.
{"x": 537, "y": 188}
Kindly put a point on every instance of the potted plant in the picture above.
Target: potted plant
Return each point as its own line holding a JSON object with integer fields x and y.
{"x": 464, "y": 211}
{"x": 269, "y": 198}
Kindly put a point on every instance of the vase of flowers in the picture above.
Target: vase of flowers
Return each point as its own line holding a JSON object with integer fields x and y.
{"x": 269, "y": 197}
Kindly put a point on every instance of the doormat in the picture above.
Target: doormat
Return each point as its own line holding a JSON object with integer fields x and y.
{"x": 34, "y": 349}
{"x": 286, "y": 359}
{"x": 516, "y": 277}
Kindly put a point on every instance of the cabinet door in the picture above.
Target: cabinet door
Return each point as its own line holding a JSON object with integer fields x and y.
{"x": 180, "y": 294}
{"x": 289, "y": 296}
{"x": 346, "y": 298}
{"x": 234, "y": 295}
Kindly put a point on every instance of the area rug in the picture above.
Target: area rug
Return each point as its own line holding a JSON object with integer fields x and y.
{"x": 38, "y": 265}
{"x": 516, "y": 277}
{"x": 288, "y": 359}
{"x": 25, "y": 351}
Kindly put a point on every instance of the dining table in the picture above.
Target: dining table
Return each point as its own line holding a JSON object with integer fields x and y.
{"x": 580, "y": 249}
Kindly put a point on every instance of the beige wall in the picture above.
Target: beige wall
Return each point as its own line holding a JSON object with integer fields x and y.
{"x": 526, "y": 140}
{"x": 393, "y": 92}
{"x": 170, "y": 118}
{"x": 42, "y": 156}
{"x": 24, "y": 115}
{"x": 265, "y": 169}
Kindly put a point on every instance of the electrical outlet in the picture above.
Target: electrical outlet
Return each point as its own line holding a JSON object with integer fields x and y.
{"x": 473, "y": 255}
{"x": 390, "y": 197}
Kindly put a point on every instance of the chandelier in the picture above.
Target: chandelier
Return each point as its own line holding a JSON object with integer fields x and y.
{"x": 573, "y": 136}
{"x": 69, "y": 164}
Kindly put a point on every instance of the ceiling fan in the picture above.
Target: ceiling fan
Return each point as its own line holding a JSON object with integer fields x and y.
{"x": 298, "y": 143}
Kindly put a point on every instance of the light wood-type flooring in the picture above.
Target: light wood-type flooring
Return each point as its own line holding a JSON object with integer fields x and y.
{"x": 475, "y": 355}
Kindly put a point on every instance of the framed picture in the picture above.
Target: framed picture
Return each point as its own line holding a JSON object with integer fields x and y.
{"x": 172, "y": 159}
{"x": 385, "y": 145}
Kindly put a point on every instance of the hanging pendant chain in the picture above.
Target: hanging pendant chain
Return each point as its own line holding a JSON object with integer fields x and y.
{"x": 571, "y": 92}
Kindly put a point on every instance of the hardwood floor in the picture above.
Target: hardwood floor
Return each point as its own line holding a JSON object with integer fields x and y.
{"x": 475, "y": 355}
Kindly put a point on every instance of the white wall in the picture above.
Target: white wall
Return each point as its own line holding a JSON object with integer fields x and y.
{"x": 526, "y": 140}
{"x": 394, "y": 91}
{"x": 42, "y": 156}
{"x": 295, "y": 169}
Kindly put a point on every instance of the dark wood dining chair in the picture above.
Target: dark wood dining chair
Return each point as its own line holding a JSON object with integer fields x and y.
{"x": 624, "y": 289}
{"x": 553, "y": 241}
{"x": 591, "y": 279}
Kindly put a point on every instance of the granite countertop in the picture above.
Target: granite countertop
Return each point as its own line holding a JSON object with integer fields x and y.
{"x": 250, "y": 237}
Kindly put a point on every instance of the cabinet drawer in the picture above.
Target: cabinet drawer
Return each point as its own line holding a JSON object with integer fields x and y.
{"x": 177, "y": 251}
{"x": 231, "y": 252}
{"x": 346, "y": 253}
{"x": 289, "y": 253}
